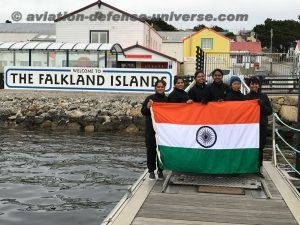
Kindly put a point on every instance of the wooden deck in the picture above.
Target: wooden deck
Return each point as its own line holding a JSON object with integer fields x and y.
{"x": 184, "y": 205}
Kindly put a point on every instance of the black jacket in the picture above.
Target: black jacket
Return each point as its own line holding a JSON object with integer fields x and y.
{"x": 215, "y": 92}
{"x": 265, "y": 106}
{"x": 235, "y": 96}
{"x": 178, "y": 96}
{"x": 146, "y": 111}
{"x": 196, "y": 92}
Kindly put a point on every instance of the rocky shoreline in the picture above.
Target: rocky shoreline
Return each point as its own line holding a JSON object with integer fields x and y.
{"x": 90, "y": 111}
{"x": 76, "y": 111}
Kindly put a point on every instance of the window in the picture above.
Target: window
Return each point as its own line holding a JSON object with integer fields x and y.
{"x": 38, "y": 58}
{"x": 206, "y": 43}
{"x": 99, "y": 36}
{"x": 239, "y": 59}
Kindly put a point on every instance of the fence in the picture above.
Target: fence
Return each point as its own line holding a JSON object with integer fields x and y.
{"x": 278, "y": 72}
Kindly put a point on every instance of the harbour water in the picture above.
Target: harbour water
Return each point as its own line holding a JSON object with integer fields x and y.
{"x": 62, "y": 178}
{"x": 53, "y": 178}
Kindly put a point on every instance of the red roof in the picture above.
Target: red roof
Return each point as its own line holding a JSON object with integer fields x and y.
{"x": 252, "y": 47}
{"x": 298, "y": 44}
{"x": 147, "y": 49}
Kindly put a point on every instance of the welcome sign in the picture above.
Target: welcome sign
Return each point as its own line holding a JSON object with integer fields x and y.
{"x": 88, "y": 79}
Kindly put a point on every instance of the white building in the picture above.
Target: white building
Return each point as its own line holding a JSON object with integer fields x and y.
{"x": 246, "y": 54}
{"x": 16, "y": 32}
{"x": 138, "y": 56}
{"x": 100, "y": 22}
{"x": 172, "y": 43}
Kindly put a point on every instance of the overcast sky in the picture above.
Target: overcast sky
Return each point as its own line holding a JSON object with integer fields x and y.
{"x": 258, "y": 10}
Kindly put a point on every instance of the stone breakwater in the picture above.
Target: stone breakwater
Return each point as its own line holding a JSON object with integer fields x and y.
{"x": 286, "y": 107}
{"x": 79, "y": 111}
{"x": 91, "y": 112}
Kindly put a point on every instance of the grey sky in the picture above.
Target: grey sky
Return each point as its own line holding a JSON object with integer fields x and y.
{"x": 258, "y": 10}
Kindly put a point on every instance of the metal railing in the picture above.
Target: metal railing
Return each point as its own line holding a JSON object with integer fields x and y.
{"x": 190, "y": 82}
{"x": 278, "y": 72}
{"x": 272, "y": 64}
{"x": 275, "y": 147}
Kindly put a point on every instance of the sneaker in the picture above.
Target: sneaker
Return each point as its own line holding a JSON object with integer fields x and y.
{"x": 152, "y": 176}
{"x": 160, "y": 175}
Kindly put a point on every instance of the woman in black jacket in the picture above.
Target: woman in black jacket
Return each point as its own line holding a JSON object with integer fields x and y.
{"x": 197, "y": 91}
{"x": 150, "y": 140}
{"x": 265, "y": 111}
{"x": 178, "y": 95}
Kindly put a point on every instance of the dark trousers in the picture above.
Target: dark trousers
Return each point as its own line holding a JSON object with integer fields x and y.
{"x": 262, "y": 143}
{"x": 152, "y": 159}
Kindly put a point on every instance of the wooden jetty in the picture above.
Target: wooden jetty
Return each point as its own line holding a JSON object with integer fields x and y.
{"x": 149, "y": 202}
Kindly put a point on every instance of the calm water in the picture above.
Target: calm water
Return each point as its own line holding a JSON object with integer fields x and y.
{"x": 60, "y": 178}
{"x": 67, "y": 179}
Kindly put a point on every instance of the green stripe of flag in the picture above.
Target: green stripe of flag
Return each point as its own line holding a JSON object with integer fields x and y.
{"x": 212, "y": 161}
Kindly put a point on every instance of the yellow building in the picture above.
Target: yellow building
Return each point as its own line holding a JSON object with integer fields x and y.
{"x": 212, "y": 43}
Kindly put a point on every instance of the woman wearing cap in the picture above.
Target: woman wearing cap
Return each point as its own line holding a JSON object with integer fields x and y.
{"x": 265, "y": 111}
{"x": 159, "y": 96}
{"x": 235, "y": 93}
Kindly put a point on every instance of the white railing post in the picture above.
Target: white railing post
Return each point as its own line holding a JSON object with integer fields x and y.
{"x": 274, "y": 157}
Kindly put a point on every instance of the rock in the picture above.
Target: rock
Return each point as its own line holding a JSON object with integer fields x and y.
{"x": 107, "y": 119}
{"x": 136, "y": 112}
{"x": 280, "y": 101}
{"x": 75, "y": 114}
{"x": 74, "y": 126}
{"x": 38, "y": 119}
{"x": 73, "y": 106}
{"x": 12, "y": 117}
{"x": 46, "y": 124}
{"x": 131, "y": 129}
{"x": 4, "y": 113}
{"x": 276, "y": 107}
{"x": 31, "y": 114}
{"x": 289, "y": 113}
{"x": 89, "y": 129}
{"x": 291, "y": 100}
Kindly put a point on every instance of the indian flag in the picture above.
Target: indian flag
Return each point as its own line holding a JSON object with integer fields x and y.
{"x": 217, "y": 138}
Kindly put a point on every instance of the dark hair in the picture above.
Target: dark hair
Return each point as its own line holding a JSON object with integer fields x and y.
{"x": 160, "y": 81}
{"x": 217, "y": 70}
{"x": 253, "y": 80}
{"x": 197, "y": 72}
{"x": 176, "y": 78}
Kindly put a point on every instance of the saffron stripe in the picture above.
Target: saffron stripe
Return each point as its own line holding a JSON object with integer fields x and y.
{"x": 228, "y": 112}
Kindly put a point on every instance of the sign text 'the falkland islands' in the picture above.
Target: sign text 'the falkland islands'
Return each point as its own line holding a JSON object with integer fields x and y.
{"x": 89, "y": 79}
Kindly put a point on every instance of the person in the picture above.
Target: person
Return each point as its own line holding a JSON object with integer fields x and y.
{"x": 217, "y": 90}
{"x": 196, "y": 92}
{"x": 235, "y": 93}
{"x": 178, "y": 95}
{"x": 265, "y": 111}
{"x": 150, "y": 141}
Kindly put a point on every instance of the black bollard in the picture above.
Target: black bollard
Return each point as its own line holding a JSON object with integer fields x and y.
{"x": 1, "y": 81}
